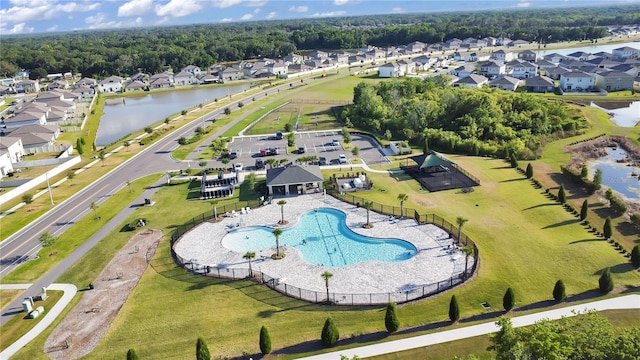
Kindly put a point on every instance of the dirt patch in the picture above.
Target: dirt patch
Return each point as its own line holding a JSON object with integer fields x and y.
{"x": 81, "y": 330}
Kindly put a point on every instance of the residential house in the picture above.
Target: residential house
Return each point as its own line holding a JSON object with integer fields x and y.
{"x": 390, "y": 70}
{"x": 626, "y": 52}
{"x": 576, "y": 81}
{"x": 492, "y": 68}
{"x": 518, "y": 43}
{"x": 88, "y": 82}
{"x": 490, "y": 40}
{"x": 12, "y": 146}
{"x": 604, "y": 55}
{"x": 556, "y": 58}
{"x": 208, "y": 79}
{"x": 142, "y": 77}
{"x": 544, "y": 65}
{"x": 112, "y": 84}
{"x": 339, "y": 58}
{"x": 318, "y": 55}
{"x": 602, "y": 63}
{"x": 135, "y": 86}
{"x": 161, "y": 80}
{"x": 5, "y": 164}
{"x": 613, "y": 81}
{"x": 56, "y": 76}
{"x": 277, "y": 68}
{"x": 33, "y": 142}
{"x": 294, "y": 59}
{"x": 503, "y": 41}
{"x": 416, "y": 47}
{"x": 425, "y": 61}
{"x": 539, "y": 84}
{"x": 524, "y": 70}
{"x": 471, "y": 81}
{"x": 505, "y": 82}
{"x": 556, "y": 72}
{"x": 454, "y": 43}
{"x": 184, "y": 78}
{"x": 49, "y": 96}
{"x": 626, "y": 68}
{"x": 27, "y": 86}
{"x": 51, "y": 130}
{"x": 58, "y": 84}
{"x": 194, "y": 70}
{"x": 230, "y": 74}
{"x": 295, "y": 68}
{"x": 357, "y": 59}
{"x": 377, "y": 54}
{"x": 579, "y": 55}
{"x": 527, "y": 55}
{"x": 501, "y": 55}
{"x": 25, "y": 118}
{"x": 464, "y": 70}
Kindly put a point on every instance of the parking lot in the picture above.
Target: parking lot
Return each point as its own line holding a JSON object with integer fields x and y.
{"x": 318, "y": 143}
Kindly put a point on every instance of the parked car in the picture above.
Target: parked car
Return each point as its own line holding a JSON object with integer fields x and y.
{"x": 269, "y": 152}
{"x": 301, "y": 150}
{"x": 259, "y": 164}
{"x": 335, "y": 142}
{"x": 279, "y": 135}
{"x": 237, "y": 167}
{"x": 233, "y": 154}
{"x": 323, "y": 160}
{"x": 342, "y": 159}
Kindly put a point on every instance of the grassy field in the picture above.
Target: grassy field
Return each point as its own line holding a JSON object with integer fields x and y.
{"x": 543, "y": 241}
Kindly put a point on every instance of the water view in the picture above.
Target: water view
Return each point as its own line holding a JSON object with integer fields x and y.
{"x": 135, "y": 113}
{"x": 626, "y": 113}
{"x": 590, "y": 49}
{"x": 618, "y": 174}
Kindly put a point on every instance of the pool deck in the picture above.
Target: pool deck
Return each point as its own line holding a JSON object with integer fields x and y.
{"x": 434, "y": 262}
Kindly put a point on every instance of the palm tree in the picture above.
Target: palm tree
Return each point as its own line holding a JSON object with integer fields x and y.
{"x": 368, "y": 204}
{"x": 460, "y": 221}
{"x": 249, "y": 255}
{"x": 277, "y": 232}
{"x": 327, "y": 275}
{"x": 282, "y": 203}
{"x": 402, "y": 197}
{"x": 467, "y": 250}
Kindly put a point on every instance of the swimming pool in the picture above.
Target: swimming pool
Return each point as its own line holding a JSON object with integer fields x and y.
{"x": 322, "y": 237}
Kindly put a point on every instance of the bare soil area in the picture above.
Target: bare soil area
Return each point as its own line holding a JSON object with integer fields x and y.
{"x": 81, "y": 330}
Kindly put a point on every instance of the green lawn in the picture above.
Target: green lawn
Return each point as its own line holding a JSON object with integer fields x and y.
{"x": 525, "y": 241}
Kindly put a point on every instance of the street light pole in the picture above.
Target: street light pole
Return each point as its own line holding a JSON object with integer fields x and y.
{"x": 46, "y": 174}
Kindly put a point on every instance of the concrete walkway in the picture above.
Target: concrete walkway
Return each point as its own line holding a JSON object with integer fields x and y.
{"x": 50, "y": 315}
{"x": 623, "y": 302}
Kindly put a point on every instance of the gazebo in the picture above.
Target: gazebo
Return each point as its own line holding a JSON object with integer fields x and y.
{"x": 434, "y": 162}
{"x": 435, "y": 173}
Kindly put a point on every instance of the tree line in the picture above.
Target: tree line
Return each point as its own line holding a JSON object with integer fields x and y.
{"x": 484, "y": 122}
{"x": 124, "y": 52}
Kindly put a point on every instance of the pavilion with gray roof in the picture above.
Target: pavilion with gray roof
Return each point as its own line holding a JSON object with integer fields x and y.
{"x": 294, "y": 179}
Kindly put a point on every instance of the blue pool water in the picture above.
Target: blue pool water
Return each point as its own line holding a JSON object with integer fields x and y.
{"x": 329, "y": 241}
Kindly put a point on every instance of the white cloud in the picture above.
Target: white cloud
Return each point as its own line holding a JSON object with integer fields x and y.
{"x": 329, "y": 14}
{"x": 38, "y": 10}
{"x": 52, "y": 28}
{"x": 246, "y": 17}
{"x": 178, "y": 8}
{"x": 299, "y": 9}
{"x": 222, "y": 4}
{"x": 340, "y": 2}
{"x": 397, "y": 10}
{"x": 523, "y": 4}
{"x": 271, "y": 15}
{"x": 100, "y": 21}
{"x": 256, "y": 11}
{"x": 255, "y": 3}
{"x": 21, "y": 28}
{"x": 225, "y": 20}
{"x": 135, "y": 7}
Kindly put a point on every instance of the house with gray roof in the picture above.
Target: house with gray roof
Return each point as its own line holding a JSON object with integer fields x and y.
{"x": 626, "y": 52}
{"x": 556, "y": 72}
{"x": 13, "y": 146}
{"x": 25, "y": 118}
{"x": 539, "y": 84}
{"x": 294, "y": 179}
{"x": 576, "y": 81}
{"x": 505, "y": 82}
{"x": 230, "y": 74}
{"x": 527, "y": 55}
{"x": 463, "y": 70}
{"x": 184, "y": 78}
{"x": 613, "y": 81}
{"x": 88, "y": 82}
{"x": 112, "y": 84}
{"x": 471, "y": 81}
{"x": 27, "y": 86}
{"x": 135, "y": 86}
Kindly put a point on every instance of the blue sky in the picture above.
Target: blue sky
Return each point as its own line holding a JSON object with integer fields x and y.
{"x": 42, "y": 16}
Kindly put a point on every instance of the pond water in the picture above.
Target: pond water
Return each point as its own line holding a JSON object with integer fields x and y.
{"x": 590, "y": 49}
{"x": 136, "y": 112}
{"x": 626, "y": 113}
{"x": 618, "y": 175}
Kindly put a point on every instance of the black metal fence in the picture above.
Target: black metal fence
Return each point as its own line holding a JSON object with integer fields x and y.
{"x": 313, "y": 296}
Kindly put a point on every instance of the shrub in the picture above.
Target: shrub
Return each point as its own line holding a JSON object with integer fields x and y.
{"x": 391, "y": 321}
{"x": 265, "y": 341}
{"x": 183, "y": 140}
{"x": 584, "y": 210}
{"x": 559, "y": 292}
{"x": 509, "y": 300}
{"x": 183, "y": 112}
{"x": 227, "y": 111}
{"x": 166, "y": 120}
{"x": 584, "y": 173}
{"x": 635, "y": 256}
{"x": 132, "y": 355}
{"x": 562, "y": 196}
{"x": 454, "y": 309}
{"x": 240, "y": 104}
{"x": 355, "y": 151}
{"x": 605, "y": 282}
{"x": 597, "y": 179}
{"x": 202, "y": 350}
{"x": 148, "y": 130}
{"x": 513, "y": 160}
{"x": 330, "y": 333}
{"x": 635, "y": 219}
{"x": 529, "y": 171}
{"x": 288, "y": 127}
{"x": 618, "y": 205}
{"x": 607, "y": 231}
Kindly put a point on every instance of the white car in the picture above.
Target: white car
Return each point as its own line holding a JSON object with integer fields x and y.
{"x": 237, "y": 167}
{"x": 342, "y": 159}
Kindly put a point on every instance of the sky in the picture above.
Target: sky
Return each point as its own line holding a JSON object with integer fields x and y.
{"x": 46, "y": 16}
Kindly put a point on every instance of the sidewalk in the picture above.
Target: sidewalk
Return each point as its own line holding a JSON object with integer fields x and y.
{"x": 624, "y": 302}
{"x": 50, "y": 315}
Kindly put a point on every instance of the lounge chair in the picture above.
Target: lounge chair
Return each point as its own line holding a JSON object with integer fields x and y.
{"x": 248, "y": 209}
{"x": 233, "y": 213}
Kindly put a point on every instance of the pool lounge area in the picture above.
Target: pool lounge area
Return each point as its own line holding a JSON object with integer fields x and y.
{"x": 433, "y": 257}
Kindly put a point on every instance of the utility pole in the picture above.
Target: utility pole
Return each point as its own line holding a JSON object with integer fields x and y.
{"x": 46, "y": 174}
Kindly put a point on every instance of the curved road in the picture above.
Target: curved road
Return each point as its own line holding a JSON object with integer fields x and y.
{"x": 156, "y": 158}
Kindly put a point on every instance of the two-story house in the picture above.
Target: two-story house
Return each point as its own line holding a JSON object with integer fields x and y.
{"x": 491, "y": 69}
{"x": 112, "y": 84}
{"x": 576, "y": 81}
{"x": 524, "y": 70}
{"x": 502, "y": 55}
{"x": 613, "y": 81}
{"x": 626, "y": 52}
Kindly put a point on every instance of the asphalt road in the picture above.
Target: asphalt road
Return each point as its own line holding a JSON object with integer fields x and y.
{"x": 156, "y": 158}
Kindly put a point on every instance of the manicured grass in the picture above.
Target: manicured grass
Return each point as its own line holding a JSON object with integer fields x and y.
{"x": 77, "y": 234}
{"x": 20, "y": 324}
{"x": 8, "y": 296}
{"x": 526, "y": 242}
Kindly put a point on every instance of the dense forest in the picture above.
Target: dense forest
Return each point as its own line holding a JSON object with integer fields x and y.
{"x": 123, "y": 52}
{"x": 486, "y": 122}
